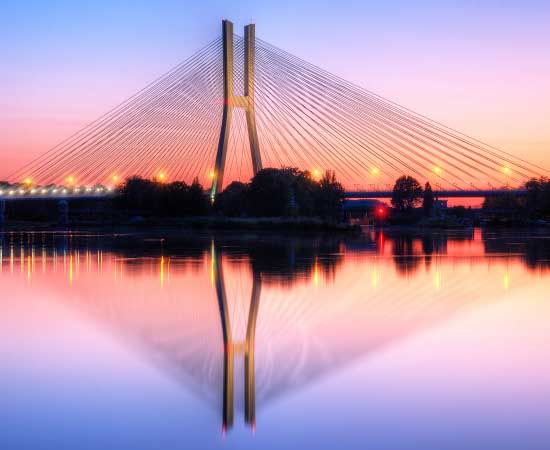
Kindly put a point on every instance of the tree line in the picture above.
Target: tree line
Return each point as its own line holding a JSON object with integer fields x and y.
{"x": 270, "y": 193}
{"x": 408, "y": 195}
{"x": 535, "y": 203}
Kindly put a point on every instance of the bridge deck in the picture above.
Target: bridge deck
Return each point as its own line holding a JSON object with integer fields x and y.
{"x": 348, "y": 194}
{"x": 441, "y": 194}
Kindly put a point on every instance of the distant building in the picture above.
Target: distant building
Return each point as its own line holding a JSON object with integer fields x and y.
{"x": 366, "y": 210}
{"x": 440, "y": 204}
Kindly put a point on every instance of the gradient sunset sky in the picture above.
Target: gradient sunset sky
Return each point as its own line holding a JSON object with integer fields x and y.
{"x": 483, "y": 69}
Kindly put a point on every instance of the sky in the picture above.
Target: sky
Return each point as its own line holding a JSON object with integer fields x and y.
{"x": 479, "y": 67}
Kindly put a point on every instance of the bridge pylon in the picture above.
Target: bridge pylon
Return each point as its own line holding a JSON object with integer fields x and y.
{"x": 231, "y": 347}
{"x": 232, "y": 101}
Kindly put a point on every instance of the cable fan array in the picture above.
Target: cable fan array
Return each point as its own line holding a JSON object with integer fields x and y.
{"x": 321, "y": 122}
{"x": 306, "y": 118}
{"x": 168, "y": 129}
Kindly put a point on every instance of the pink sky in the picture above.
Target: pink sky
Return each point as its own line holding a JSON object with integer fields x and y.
{"x": 479, "y": 69}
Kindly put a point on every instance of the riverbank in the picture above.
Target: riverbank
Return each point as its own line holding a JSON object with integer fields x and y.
{"x": 282, "y": 224}
{"x": 274, "y": 224}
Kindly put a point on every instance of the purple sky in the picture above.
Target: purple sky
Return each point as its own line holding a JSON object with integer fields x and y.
{"x": 484, "y": 70}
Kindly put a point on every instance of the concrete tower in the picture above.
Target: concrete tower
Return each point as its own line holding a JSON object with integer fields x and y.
{"x": 234, "y": 101}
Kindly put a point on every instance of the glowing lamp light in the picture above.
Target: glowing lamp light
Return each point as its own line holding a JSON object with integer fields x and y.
{"x": 115, "y": 178}
{"x": 212, "y": 174}
{"x": 88, "y": 189}
{"x": 438, "y": 170}
{"x": 21, "y": 191}
{"x": 375, "y": 171}
{"x": 54, "y": 191}
{"x": 11, "y": 192}
{"x": 161, "y": 177}
{"x": 44, "y": 191}
{"x": 27, "y": 181}
{"x": 64, "y": 191}
{"x": 33, "y": 191}
{"x": 70, "y": 180}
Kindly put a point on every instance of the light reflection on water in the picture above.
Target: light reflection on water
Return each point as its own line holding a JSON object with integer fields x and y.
{"x": 191, "y": 340}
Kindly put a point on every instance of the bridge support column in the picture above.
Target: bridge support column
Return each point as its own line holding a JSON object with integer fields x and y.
{"x": 249, "y": 364}
{"x": 228, "y": 359}
{"x": 63, "y": 212}
{"x": 232, "y": 101}
{"x": 249, "y": 66}
{"x": 2, "y": 211}
{"x": 230, "y": 345}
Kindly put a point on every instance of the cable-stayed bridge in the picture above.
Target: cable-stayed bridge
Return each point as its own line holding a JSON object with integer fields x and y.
{"x": 241, "y": 104}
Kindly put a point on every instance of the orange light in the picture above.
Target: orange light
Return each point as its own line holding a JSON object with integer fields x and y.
{"x": 316, "y": 173}
{"x": 70, "y": 180}
{"x": 27, "y": 181}
{"x": 161, "y": 176}
{"x": 115, "y": 178}
{"x": 212, "y": 174}
{"x": 438, "y": 170}
{"x": 375, "y": 171}
{"x": 507, "y": 170}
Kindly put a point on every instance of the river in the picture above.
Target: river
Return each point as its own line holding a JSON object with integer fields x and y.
{"x": 391, "y": 340}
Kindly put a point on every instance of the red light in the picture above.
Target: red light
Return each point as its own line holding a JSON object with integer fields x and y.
{"x": 381, "y": 212}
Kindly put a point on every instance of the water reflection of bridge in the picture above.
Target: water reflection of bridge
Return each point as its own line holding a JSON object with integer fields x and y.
{"x": 177, "y": 303}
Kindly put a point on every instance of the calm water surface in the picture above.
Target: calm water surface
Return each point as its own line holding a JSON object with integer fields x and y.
{"x": 190, "y": 341}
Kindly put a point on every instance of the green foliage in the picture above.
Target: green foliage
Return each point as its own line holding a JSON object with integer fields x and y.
{"x": 283, "y": 192}
{"x": 537, "y": 200}
{"x": 535, "y": 204}
{"x": 232, "y": 202}
{"x": 508, "y": 201}
{"x": 406, "y": 193}
{"x": 428, "y": 200}
{"x": 328, "y": 196}
{"x": 272, "y": 192}
{"x": 149, "y": 197}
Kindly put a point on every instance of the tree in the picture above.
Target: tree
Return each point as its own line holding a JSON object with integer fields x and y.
{"x": 538, "y": 196}
{"x": 198, "y": 200}
{"x": 406, "y": 193}
{"x": 162, "y": 199}
{"x": 329, "y": 196}
{"x": 428, "y": 200}
{"x": 233, "y": 200}
{"x": 304, "y": 191}
{"x": 270, "y": 192}
{"x": 506, "y": 201}
{"x": 137, "y": 194}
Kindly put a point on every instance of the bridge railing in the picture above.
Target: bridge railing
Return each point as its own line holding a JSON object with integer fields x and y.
{"x": 474, "y": 193}
{"x": 20, "y": 192}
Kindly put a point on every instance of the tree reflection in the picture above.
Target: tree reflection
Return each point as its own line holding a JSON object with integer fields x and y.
{"x": 205, "y": 326}
{"x": 531, "y": 246}
{"x": 407, "y": 260}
